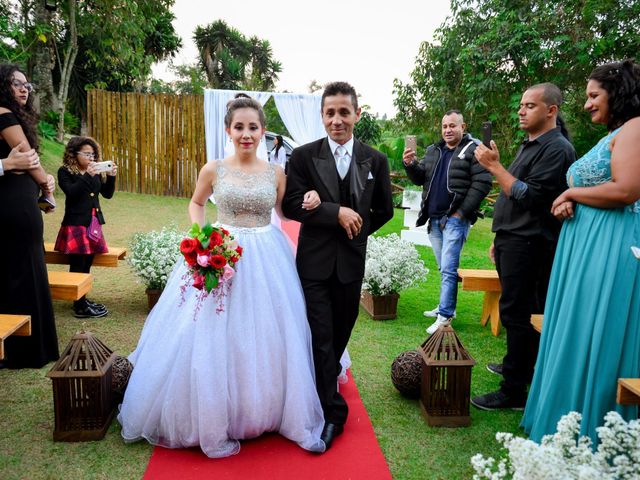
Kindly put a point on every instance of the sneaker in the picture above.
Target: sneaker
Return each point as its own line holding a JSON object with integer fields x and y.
{"x": 440, "y": 322}
{"x": 431, "y": 313}
{"x": 498, "y": 400}
{"x": 495, "y": 368}
{"x": 87, "y": 311}
{"x": 434, "y": 313}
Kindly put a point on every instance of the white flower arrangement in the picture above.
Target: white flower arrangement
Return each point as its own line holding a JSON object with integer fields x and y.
{"x": 392, "y": 265}
{"x": 564, "y": 455}
{"x": 153, "y": 255}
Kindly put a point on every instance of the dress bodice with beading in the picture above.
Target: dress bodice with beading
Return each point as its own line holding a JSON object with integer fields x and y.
{"x": 244, "y": 199}
{"x": 594, "y": 167}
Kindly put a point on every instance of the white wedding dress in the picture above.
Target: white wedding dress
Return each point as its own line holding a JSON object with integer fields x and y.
{"x": 210, "y": 379}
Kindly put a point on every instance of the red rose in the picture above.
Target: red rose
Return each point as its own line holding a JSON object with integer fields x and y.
{"x": 200, "y": 250}
{"x": 225, "y": 231}
{"x": 217, "y": 261}
{"x": 239, "y": 250}
{"x": 215, "y": 239}
{"x": 191, "y": 259}
{"x": 188, "y": 245}
{"x": 198, "y": 281}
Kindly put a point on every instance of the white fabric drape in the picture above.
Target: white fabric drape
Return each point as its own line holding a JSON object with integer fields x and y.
{"x": 215, "y": 107}
{"x": 301, "y": 115}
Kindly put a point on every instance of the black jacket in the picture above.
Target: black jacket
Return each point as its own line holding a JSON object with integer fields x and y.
{"x": 82, "y": 192}
{"x": 467, "y": 180}
{"x": 323, "y": 244}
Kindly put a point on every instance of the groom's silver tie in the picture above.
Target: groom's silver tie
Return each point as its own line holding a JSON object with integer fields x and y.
{"x": 342, "y": 161}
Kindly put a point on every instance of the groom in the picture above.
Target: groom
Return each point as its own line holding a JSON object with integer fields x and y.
{"x": 352, "y": 180}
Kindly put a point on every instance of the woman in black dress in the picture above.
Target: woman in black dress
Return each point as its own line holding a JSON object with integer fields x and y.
{"x": 24, "y": 286}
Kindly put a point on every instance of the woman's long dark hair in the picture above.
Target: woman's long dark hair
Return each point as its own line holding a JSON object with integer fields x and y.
{"x": 563, "y": 127}
{"x": 279, "y": 145}
{"x": 621, "y": 80}
{"x": 26, "y": 114}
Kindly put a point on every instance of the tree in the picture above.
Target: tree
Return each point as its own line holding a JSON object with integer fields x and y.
{"x": 314, "y": 86}
{"x": 102, "y": 43}
{"x": 489, "y": 51}
{"x": 233, "y": 62}
{"x": 117, "y": 44}
{"x": 367, "y": 129}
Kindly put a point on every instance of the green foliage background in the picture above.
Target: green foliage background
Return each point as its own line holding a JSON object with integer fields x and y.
{"x": 489, "y": 51}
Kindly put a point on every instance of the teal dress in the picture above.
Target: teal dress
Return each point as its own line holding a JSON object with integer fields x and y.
{"x": 591, "y": 330}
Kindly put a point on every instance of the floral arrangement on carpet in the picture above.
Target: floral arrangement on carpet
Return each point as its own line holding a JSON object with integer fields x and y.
{"x": 152, "y": 255}
{"x": 211, "y": 254}
{"x": 392, "y": 265}
{"x": 566, "y": 455}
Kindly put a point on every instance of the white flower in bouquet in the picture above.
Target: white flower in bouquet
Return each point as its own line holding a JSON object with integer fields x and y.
{"x": 564, "y": 455}
{"x": 392, "y": 265}
{"x": 153, "y": 255}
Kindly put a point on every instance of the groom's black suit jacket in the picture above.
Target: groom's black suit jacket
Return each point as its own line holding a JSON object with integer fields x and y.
{"x": 323, "y": 244}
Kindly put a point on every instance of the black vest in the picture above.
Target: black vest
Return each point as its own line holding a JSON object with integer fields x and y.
{"x": 345, "y": 190}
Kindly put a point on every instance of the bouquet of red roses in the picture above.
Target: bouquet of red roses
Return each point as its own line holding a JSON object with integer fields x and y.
{"x": 211, "y": 254}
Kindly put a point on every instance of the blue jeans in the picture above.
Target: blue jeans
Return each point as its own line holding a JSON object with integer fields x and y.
{"x": 447, "y": 242}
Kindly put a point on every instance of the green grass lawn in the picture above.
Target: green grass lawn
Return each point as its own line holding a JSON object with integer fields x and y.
{"x": 412, "y": 449}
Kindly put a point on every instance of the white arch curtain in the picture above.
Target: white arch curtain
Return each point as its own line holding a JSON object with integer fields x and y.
{"x": 300, "y": 113}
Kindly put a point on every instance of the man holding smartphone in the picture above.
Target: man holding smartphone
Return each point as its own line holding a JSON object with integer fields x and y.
{"x": 454, "y": 184}
{"x": 526, "y": 236}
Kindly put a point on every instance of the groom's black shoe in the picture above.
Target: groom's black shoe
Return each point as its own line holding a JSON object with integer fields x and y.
{"x": 329, "y": 432}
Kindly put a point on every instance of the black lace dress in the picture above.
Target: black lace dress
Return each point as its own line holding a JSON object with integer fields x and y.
{"x": 24, "y": 287}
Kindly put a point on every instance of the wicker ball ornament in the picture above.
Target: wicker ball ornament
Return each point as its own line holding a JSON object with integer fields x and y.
{"x": 406, "y": 372}
{"x": 120, "y": 373}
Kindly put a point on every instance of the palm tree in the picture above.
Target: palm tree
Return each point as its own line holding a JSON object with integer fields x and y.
{"x": 263, "y": 68}
{"x": 224, "y": 53}
{"x": 233, "y": 62}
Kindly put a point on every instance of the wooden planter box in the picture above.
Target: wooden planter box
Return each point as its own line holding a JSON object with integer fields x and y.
{"x": 383, "y": 307}
{"x": 153, "y": 294}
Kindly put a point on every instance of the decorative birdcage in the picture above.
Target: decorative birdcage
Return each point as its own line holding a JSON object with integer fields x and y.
{"x": 82, "y": 395}
{"x": 446, "y": 380}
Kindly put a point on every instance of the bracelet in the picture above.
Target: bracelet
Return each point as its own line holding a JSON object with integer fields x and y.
{"x": 2, "y": 166}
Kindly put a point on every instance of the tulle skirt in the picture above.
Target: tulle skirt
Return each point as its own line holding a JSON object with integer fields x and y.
{"x": 209, "y": 379}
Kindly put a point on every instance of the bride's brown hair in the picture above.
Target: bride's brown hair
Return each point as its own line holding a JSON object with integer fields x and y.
{"x": 243, "y": 101}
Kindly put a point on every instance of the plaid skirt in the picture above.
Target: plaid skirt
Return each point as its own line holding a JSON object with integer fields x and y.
{"x": 74, "y": 239}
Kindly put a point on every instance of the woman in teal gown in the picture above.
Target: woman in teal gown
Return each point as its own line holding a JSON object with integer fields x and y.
{"x": 591, "y": 331}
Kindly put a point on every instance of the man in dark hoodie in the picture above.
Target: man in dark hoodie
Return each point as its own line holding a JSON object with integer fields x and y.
{"x": 454, "y": 184}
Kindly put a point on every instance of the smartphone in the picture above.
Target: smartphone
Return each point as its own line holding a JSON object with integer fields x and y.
{"x": 486, "y": 134}
{"x": 410, "y": 142}
{"x": 45, "y": 204}
{"x": 636, "y": 252}
{"x": 103, "y": 166}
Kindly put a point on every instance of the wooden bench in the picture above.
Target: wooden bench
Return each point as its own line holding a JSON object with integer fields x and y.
{"x": 69, "y": 286}
{"x": 486, "y": 281}
{"x": 628, "y": 391}
{"x": 19, "y": 325}
{"x": 109, "y": 259}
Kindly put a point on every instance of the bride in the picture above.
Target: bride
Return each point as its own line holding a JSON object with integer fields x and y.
{"x": 209, "y": 379}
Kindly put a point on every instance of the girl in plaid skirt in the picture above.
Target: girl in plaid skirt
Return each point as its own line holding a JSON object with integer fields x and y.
{"x": 80, "y": 235}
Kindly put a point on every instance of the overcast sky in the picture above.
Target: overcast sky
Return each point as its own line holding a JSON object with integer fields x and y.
{"x": 365, "y": 42}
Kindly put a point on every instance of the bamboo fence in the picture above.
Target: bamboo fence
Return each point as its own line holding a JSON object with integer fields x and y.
{"x": 157, "y": 140}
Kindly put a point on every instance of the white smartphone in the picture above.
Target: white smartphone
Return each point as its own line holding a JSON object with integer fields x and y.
{"x": 636, "y": 252}
{"x": 410, "y": 142}
{"x": 104, "y": 166}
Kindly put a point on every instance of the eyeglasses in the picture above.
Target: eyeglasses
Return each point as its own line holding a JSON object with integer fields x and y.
{"x": 19, "y": 85}
{"x": 87, "y": 154}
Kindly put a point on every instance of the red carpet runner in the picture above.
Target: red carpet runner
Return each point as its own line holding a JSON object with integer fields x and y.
{"x": 355, "y": 455}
